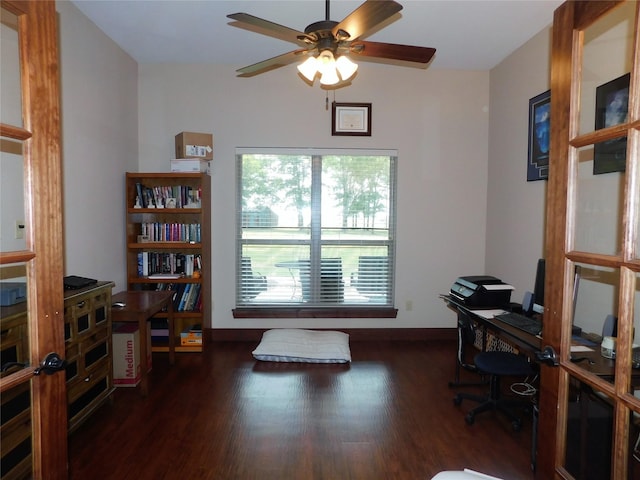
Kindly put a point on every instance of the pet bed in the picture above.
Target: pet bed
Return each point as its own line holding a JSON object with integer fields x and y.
{"x": 306, "y": 346}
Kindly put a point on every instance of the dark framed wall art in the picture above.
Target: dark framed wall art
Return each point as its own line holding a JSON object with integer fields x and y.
{"x": 352, "y": 119}
{"x": 612, "y": 105}
{"x": 539, "y": 130}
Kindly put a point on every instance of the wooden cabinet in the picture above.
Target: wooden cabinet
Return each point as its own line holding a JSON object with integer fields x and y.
{"x": 168, "y": 247}
{"x": 87, "y": 332}
{"x": 89, "y": 377}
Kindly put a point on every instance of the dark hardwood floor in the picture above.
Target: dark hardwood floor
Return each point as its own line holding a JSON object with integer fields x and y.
{"x": 221, "y": 415}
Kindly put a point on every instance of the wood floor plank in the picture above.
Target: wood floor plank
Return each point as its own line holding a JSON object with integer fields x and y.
{"x": 221, "y": 415}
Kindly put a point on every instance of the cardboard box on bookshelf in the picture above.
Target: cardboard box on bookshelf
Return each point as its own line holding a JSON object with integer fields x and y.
{"x": 189, "y": 165}
{"x": 126, "y": 355}
{"x": 194, "y": 145}
{"x": 191, "y": 336}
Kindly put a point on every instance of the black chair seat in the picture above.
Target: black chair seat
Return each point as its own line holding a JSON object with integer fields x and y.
{"x": 502, "y": 363}
{"x": 497, "y": 364}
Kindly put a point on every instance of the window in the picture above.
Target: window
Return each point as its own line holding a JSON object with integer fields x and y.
{"x": 316, "y": 228}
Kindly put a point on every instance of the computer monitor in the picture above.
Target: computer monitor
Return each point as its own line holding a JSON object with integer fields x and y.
{"x": 576, "y": 282}
{"x": 538, "y": 288}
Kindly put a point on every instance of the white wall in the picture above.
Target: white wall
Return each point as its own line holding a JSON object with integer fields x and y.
{"x": 99, "y": 144}
{"x": 464, "y": 205}
{"x": 515, "y": 207}
{"x": 462, "y": 166}
{"x": 437, "y": 120}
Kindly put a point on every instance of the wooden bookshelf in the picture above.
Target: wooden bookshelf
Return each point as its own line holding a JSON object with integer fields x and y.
{"x": 173, "y": 241}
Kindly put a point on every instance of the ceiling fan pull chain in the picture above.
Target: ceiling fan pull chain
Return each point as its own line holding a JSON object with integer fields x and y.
{"x": 326, "y": 102}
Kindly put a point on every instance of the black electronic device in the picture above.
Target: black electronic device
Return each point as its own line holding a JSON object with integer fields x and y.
{"x": 526, "y": 324}
{"x": 74, "y": 282}
{"x": 534, "y": 302}
{"x": 527, "y": 303}
{"x": 480, "y": 291}
{"x": 575, "y": 329}
{"x": 538, "y": 287}
{"x": 610, "y": 326}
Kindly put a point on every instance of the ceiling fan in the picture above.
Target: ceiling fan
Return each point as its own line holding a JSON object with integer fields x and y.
{"x": 324, "y": 45}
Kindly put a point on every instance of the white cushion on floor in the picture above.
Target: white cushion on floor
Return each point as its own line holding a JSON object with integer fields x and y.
{"x": 463, "y": 475}
{"x": 308, "y": 346}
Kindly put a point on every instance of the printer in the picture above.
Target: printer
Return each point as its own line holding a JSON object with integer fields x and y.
{"x": 480, "y": 291}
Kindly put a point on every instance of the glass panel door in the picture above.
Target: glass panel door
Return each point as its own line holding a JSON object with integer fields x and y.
{"x": 33, "y": 428}
{"x": 592, "y": 228}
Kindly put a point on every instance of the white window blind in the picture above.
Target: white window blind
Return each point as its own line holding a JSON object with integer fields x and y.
{"x": 315, "y": 227}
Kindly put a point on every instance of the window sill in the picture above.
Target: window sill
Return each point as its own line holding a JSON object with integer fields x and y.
{"x": 315, "y": 312}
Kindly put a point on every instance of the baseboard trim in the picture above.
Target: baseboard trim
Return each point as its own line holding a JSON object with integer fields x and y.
{"x": 355, "y": 334}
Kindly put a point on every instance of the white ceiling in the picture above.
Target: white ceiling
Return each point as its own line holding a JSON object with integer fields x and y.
{"x": 467, "y": 34}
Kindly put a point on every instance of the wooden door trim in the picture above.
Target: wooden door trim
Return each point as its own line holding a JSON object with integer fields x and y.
{"x": 40, "y": 134}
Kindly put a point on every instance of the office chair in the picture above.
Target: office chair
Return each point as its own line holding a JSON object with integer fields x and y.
{"x": 466, "y": 339}
{"x": 495, "y": 364}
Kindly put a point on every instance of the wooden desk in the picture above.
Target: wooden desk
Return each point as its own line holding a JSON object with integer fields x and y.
{"x": 139, "y": 307}
{"x": 591, "y": 361}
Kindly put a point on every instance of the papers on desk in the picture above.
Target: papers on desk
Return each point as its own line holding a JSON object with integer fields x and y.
{"x": 580, "y": 348}
{"x": 500, "y": 286}
{"x": 488, "y": 313}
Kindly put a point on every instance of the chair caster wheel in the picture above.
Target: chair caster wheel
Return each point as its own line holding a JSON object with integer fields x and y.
{"x": 457, "y": 400}
{"x": 469, "y": 418}
{"x": 516, "y": 425}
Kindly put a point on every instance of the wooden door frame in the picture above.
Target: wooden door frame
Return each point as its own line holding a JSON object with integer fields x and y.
{"x": 570, "y": 20}
{"x": 40, "y": 135}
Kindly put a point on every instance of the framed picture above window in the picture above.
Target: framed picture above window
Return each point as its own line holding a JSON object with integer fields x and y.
{"x": 612, "y": 105}
{"x": 539, "y": 130}
{"x": 353, "y": 119}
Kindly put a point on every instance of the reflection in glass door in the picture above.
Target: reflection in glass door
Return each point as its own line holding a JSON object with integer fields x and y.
{"x": 15, "y": 429}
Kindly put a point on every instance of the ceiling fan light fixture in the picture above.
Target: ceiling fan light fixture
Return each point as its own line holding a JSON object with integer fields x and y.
{"x": 309, "y": 68}
{"x": 329, "y": 77}
{"x": 326, "y": 40}
{"x": 327, "y": 68}
{"x": 346, "y": 67}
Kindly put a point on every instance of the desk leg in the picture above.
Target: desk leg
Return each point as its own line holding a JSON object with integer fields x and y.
{"x": 144, "y": 380}
{"x": 172, "y": 333}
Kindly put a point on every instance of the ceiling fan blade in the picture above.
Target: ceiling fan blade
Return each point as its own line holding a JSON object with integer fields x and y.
{"x": 392, "y": 51}
{"x": 365, "y": 17}
{"x": 265, "y": 27}
{"x": 272, "y": 63}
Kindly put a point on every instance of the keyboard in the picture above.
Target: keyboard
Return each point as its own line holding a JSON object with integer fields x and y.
{"x": 526, "y": 324}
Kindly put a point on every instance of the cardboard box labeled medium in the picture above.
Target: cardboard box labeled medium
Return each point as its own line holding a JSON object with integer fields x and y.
{"x": 126, "y": 355}
{"x": 194, "y": 145}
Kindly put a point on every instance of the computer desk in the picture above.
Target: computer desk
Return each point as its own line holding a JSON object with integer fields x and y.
{"x": 530, "y": 345}
{"x": 139, "y": 306}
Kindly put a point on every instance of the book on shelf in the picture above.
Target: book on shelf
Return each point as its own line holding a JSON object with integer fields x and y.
{"x": 183, "y": 298}
{"x": 167, "y": 265}
{"x": 192, "y": 298}
{"x": 159, "y": 328}
{"x": 185, "y": 196}
{"x": 171, "y": 232}
{"x": 165, "y": 276}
